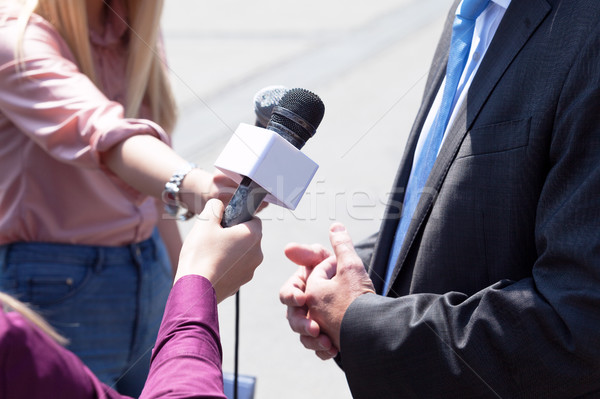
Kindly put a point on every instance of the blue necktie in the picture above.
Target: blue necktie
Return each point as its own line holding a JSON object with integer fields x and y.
{"x": 460, "y": 44}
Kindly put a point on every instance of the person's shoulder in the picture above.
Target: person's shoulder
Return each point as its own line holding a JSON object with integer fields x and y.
{"x": 28, "y": 354}
{"x": 16, "y": 351}
{"x": 11, "y": 11}
{"x": 39, "y": 37}
{"x": 15, "y": 332}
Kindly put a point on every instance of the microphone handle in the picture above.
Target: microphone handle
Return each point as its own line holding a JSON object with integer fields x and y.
{"x": 244, "y": 203}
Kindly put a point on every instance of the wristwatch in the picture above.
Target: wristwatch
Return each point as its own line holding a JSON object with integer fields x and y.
{"x": 170, "y": 195}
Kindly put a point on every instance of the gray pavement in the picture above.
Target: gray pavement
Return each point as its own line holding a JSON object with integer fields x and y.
{"x": 367, "y": 61}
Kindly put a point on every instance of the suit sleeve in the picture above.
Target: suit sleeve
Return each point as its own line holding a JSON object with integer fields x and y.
{"x": 536, "y": 337}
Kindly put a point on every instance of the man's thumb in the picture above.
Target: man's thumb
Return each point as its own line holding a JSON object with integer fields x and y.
{"x": 342, "y": 246}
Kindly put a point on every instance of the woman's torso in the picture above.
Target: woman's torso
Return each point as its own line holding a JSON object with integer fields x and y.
{"x": 54, "y": 187}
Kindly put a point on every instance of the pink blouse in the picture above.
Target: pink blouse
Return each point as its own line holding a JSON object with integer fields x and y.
{"x": 54, "y": 123}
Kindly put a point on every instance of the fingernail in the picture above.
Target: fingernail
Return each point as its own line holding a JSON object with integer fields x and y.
{"x": 337, "y": 228}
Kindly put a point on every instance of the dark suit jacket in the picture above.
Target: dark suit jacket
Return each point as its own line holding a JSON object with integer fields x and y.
{"x": 496, "y": 292}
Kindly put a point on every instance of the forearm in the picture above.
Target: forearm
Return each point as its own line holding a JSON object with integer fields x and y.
{"x": 187, "y": 358}
{"x": 504, "y": 341}
{"x": 146, "y": 164}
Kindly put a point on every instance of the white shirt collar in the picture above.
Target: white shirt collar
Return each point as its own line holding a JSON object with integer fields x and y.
{"x": 502, "y": 3}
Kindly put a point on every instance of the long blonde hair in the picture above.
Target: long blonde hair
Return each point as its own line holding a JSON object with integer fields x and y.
{"x": 8, "y": 303}
{"x": 146, "y": 73}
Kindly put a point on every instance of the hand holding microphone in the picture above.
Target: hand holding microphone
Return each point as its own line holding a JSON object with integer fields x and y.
{"x": 295, "y": 118}
{"x": 267, "y": 155}
{"x": 226, "y": 257}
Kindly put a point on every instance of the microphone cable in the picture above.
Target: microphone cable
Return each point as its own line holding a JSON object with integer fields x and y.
{"x": 236, "y": 345}
{"x": 295, "y": 115}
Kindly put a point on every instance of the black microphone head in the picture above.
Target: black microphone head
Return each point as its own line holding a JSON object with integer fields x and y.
{"x": 299, "y": 111}
{"x": 264, "y": 102}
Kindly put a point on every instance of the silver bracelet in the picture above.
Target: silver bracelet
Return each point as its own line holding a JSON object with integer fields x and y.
{"x": 170, "y": 195}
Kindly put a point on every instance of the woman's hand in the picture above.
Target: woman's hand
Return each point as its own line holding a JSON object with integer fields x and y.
{"x": 134, "y": 160}
{"x": 227, "y": 257}
{"x": 199, "y": 186}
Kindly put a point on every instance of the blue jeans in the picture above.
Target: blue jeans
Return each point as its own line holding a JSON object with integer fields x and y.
{"x": 108, "y": 301}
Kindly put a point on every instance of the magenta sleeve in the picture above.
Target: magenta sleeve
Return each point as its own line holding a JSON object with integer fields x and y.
{"x": 187, "y": 358}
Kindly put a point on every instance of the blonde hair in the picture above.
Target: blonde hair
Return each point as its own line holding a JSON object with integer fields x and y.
{"x": 146, "y": 73}
{"x": 10, "y": 303}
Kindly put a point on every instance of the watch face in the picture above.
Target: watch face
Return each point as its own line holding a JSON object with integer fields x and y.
{"x": 172, "y": 188}
{"x": 170, "y": 195}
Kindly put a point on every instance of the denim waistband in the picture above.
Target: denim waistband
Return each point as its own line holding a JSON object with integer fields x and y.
{"x": 75, "y": 253}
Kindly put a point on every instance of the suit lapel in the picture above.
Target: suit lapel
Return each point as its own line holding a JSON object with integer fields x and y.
{"x": 520, "y": 21}
{"x": 377, "y": 268}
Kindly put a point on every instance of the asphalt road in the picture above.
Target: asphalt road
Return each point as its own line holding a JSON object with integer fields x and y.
{"x": 368, "y": 63}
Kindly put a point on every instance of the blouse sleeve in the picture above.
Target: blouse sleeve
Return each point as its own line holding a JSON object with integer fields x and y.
{"x": 187, "y": 358}
{"x": 53, "y": 103}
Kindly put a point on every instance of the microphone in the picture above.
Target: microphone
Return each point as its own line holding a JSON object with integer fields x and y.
{"x": 264, "y": 101}
{"x": 296, "y": 119}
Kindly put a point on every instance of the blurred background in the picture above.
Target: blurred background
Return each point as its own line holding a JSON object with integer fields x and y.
{"x": 368, "y": 63}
